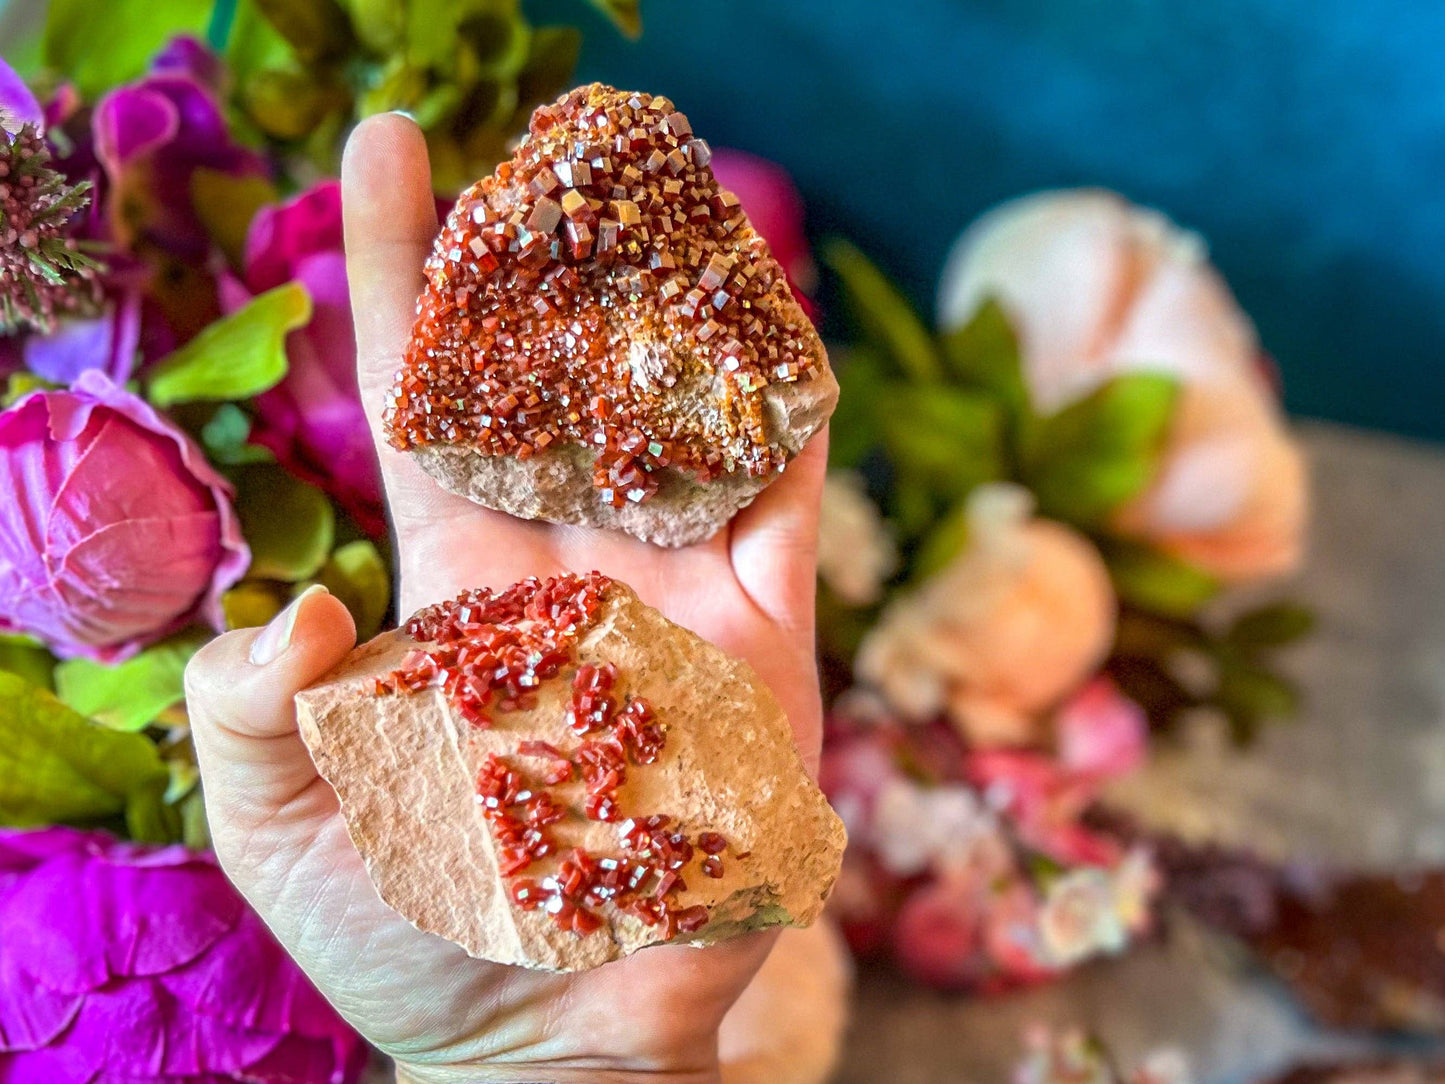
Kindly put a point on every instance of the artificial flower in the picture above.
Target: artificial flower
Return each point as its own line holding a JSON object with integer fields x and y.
{"x": 1099, "y": 732}
{"x": 1016, "y": 621}
{"x": 775, "y": 208}
{"x": 142, "y": 964}
{"x": 107, "y": 341}
{"x": 116, "y": 531}
{"x": 856, "y": 550}
{"x": 1071, "y": 1057}
{"x": 314, "y": 420}
{"x": 151, "y": 137}
{"x": 18, "y": 106}
{"x": 916, "y": 828}
{"x": 939, "y": 936}
{"x": 1096, "y": 288}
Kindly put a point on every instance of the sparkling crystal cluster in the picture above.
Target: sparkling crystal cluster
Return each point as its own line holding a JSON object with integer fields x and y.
{"x": 578, "y": 290}
{"x": 490, "y": 652}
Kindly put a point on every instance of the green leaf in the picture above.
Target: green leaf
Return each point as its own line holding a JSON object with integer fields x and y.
{"x": 21, "y": 384}
{"x": 236, "y": 357}
{"x": 942, "y": 544}
{"x": 1256, "y": 693}
{"x": 984, "y": 354}
{"x": 883, "y": 313}
{"x": 99, "y": 45}
{"x": 226, "y": 204}
{"x": 252, "y": 604}
{"x": 130, "y": 694}
{"x": 947, "y": 437}
{"x": 56, "y": 766}
{"x": 1156, "y": 581}
{"x": 1274, "y": 625}
{"x": 854, "y": 429}
{"x": 626, "y": 15}
{"x": 28, "y": 658}
{"x": 1148, "y": 682}
{"x": 289, "y": 525}
{"x": 1094, "y": 455}
{"x": 226, "y": 438}
{"x": 254, "y": 43}
{"x": 318, "y": 30}
{"x": 358, "y": 576}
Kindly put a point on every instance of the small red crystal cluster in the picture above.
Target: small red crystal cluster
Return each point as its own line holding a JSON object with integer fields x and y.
{"x": 596, "y": 272}
{"x": 490, "y": 652}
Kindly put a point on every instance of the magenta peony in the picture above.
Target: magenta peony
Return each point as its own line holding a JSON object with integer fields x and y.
{"x": 115, "y": 531}
{"x": 125, "y": 962}
{"x": 314, "y": 420}
{"x": 151, "y": 136}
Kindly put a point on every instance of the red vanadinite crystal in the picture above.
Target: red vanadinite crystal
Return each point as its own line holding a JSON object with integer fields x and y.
{"x": 566, "y": 290}
{"x": 490, "y": 652}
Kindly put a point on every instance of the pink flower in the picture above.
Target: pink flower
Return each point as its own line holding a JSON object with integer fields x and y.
{"x": 1101, "y": 732}
{"x": 314, "y": 420}
{"x": 1013, "y": 624}
{"x": 115, "y": 531}
{"x": 775, "y": 208}
{"x": 1097, "y": 287}
{"x": 939, "y": 938}
{"x": 17, "y": 104}
{"x": 1044, "y": 800}
{"x": 151, "y": 136}
{"x": 125, "y": 962}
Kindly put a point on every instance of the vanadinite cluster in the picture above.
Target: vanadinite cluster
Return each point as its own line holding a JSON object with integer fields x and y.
{"x": 601, "y": 291}
{"x": 491, "y": 653}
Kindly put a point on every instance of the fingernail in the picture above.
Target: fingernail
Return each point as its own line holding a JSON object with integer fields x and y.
{"x": 275, "y": 638}
{"x": 403, "y": 113}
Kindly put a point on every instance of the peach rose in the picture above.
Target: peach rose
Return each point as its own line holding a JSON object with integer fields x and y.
{"x": 1097, "y": 287}
{"x": 1017, "y": 621}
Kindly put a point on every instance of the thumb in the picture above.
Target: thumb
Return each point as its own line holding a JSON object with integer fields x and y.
{"x": 260, "y": 784}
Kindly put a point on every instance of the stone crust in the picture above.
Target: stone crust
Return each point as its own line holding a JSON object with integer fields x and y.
{"x": 557, "y": 484}
{"x": 404, "y": 769}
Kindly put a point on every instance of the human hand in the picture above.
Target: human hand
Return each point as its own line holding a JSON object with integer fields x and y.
{"x": 276, "y": 826}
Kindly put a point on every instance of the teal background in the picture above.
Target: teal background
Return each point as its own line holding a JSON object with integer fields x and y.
{"x": 1304, "y": 138}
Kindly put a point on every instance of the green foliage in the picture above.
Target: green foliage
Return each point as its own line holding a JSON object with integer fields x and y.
{"x": 226, "y": 204}
{"x": 1099, "y": 452}
{"x": 227, "y": 435}
{"x": 359, "y": 577}
{"x": 948, "y": 438}
{"x": 56, "y": 766}
{"x": 945, "y": 540}
{"x": 236, "y": 357}
{"x": 289, "y": 525}
{"x": 1274, "y": 625}
{"x": 99, "y": 43}
{"x": 469, "y": 71}
{"x": 855, "y": 429}
{"x": 625, "y": 14}
{"x": 984, "y": 354}
{"x": 26, "y": 658}
{"x": 1156, "y": 581}
{"x": 884, "y": 315}
{"x": 132, "y": 694}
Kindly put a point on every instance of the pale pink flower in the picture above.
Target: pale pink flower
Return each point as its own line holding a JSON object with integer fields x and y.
{"x": 856, "y": 550}
{"x": 1096, "y": 288}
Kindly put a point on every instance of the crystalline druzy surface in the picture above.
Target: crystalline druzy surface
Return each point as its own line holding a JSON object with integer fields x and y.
{"x": 601, "y": 290}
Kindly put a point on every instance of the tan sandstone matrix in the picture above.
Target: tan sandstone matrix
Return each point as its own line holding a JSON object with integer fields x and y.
{"x": 555, "y": 775}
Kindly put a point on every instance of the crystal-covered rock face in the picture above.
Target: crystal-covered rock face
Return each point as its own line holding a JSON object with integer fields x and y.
{"x": 602, "y": 292}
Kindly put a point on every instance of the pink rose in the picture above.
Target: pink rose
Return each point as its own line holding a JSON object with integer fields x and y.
{"x": 314, "y": 419}
{"x": 115, "y": 531}
{"x": 1097, "y": 287}
{"x": 775, "y": 209}
{"x": 1018, "y": 620}
{"x": 1101, "y": 732}
{"x": 939, "y": 938}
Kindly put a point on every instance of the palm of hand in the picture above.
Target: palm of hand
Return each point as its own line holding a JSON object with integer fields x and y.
{"x": 749, "y": 590}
